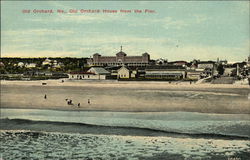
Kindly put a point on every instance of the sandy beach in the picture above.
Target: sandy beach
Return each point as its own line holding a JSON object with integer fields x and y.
{"x": 126, "y": 96}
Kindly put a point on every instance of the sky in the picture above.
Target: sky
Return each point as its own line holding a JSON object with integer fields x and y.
{"x": 181, "y": 30}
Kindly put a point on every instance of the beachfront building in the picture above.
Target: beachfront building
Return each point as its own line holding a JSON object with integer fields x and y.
{"x": 94, "y": 73}
{"x": 99, "y": 71}
{"x": 130, "y": 72}
{"x": 121, "y": 58}
{"x": 165, "y": 72}
{"x": 113, "y": 70}
{"x": 205, "y": 64}
{"x": 123, "y": 72}
{"x": 84, "y": 75}
{"x": 178, "y": 63}
{"x": 229, "y": 70}
{"x": 208, "y": 67}
{"x": 193, "y": 74}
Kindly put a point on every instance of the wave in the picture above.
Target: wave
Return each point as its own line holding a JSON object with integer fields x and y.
{"x": 191, "y": 92}
{"x": 83, "y": 128}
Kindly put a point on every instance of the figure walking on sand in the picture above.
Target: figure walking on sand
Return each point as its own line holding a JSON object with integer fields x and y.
{"x": 78, "y": 105}
{"x": 88, "y": 101}
{"x": 45, "y": 96}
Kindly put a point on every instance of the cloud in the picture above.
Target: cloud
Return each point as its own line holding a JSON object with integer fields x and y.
{"x": 155, "y": 48}
{"x": 191, "y": 52}
{"x": 81, "y": 46}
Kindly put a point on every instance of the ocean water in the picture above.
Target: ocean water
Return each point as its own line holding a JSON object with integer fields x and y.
{"x": 51, "y": 134}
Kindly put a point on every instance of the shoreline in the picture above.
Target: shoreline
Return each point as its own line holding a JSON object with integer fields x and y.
{"x": 119, "y": 84}
{"x": 114, "y": 111}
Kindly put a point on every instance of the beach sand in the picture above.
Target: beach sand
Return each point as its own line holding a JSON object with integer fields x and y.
{"x": 126, "y": 96}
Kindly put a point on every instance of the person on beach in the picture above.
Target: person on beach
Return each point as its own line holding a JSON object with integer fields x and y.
{"x": 88, "y": 101}
{"x": 69, "y": 102}
{"x": 45, "y": 96}
{"x": 78, "y": 105}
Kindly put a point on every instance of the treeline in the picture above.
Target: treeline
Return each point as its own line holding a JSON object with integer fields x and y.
{"x": 10, "y": 65}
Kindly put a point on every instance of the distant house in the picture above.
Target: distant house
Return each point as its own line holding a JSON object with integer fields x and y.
{"x": 20, "y": 64}
{"x": 83, "y": 75}
{"x": 178, "y": 63}
{"x": 205, "y": 64}
{"x": 47, "y": 61}
{"x": 99, "y": 71}
{"x": 1, "y": 64}
{"x": 30, "y": 65}
{"x": 130, "y": 72}
{"x": 113, "y": 71}
{"x": 57, "y": 64}
{"x": 123, "y": 72}
{"x": 161, "y": 61}
{"x": 93, "y": 73}
{"x": 193, "y": 74}
{"x": 165, "y": 72}
{"x": 229, "y": 69}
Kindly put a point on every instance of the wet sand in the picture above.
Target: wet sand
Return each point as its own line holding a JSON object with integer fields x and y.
{"x": 126, "y": 96}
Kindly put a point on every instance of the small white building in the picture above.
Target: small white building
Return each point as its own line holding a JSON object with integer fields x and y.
{"x": 123, "y": 72}
{"x": 165, "y": 72}
{"x": 47, "y": 61}
{"x": 205, "y": 64}
{"x": 30, "y": 65}
{"x": 20, "y": 64}
{"x": 94, "y": 73}
{"x": 85, "y": 76}
{"x": 99, "y": 71}
{"x": 193, "y": 74}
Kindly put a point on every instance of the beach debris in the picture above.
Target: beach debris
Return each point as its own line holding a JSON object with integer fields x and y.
{"x": 44, "y": 83}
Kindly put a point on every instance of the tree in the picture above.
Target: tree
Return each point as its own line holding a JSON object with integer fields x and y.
{"x": 220, "y": 69}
